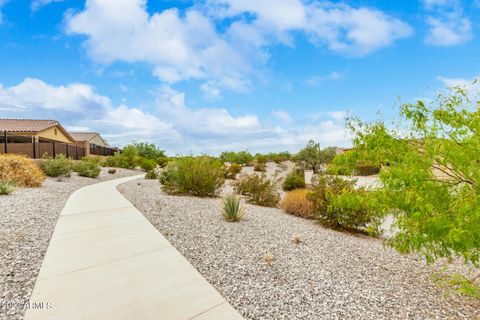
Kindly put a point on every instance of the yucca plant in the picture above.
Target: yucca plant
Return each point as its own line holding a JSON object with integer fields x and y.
{"x": 232, "y": 209}
{"x": 7, "y": 187}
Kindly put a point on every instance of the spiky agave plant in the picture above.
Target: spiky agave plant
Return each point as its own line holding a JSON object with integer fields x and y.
{"x": 7, "y": 187}
{"x": 232, "y": 209}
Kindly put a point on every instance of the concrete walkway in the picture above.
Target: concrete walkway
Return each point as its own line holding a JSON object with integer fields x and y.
{"x": 106, "y": 261}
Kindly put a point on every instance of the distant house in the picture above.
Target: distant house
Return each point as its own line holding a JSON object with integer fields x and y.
{"x": 36, "y": 138}
{"x": 34, "y": 130}
{"x": 93, "y": 143}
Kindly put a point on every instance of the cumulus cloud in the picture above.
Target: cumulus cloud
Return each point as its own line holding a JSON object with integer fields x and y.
{"x": 354, "y": 31}
{"x": 447, "y": 24}
{"x": 169, "y": 122}
{"x": 190, "y": 44}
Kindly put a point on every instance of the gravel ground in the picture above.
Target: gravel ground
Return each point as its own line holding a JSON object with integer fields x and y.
{"x": 328, "y": 275}
{"x": 27, "y": 219}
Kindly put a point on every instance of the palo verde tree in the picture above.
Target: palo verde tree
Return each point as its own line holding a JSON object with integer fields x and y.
{"x": 430, "y": 175}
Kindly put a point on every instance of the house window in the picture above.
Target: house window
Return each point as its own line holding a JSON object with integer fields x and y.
{"x": 55, "y": 131}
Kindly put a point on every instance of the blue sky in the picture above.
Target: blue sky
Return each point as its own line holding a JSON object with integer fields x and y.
{"x": 214, "y": 75}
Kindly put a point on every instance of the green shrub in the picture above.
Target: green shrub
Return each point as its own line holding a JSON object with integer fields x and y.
{"x": 232, "y": 209}
{"x": 260, "y": 167}
{"x": 258, "y": 190}
{"x": 151, "y": 174}
{"x": 198, "y": 176}
{"x": 147, "y": 150}
{"x": 233, "y": 170}
{"x": 293, "y": 181}
{"x": 147, "y": 164}
{"x": 261, "y": 158}
{"x": 128, "y": 158}
{"x": 88, "y": 167}
{"x": 162, "y": 161}
{"x": 242, "y": 157}
{"x": 337, "y": 204}
{"x": 7, "y": 187}
{"x": 23, "y": 171}
{"x": 59, "y": 166}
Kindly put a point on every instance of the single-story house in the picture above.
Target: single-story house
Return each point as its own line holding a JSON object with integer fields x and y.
{"x": 37, "y": 138}
{"x": 34, "y": 130}
{"x": 93, "y": 143}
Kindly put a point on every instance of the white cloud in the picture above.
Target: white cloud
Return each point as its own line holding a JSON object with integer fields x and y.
{"x": 210, "y": 90}
{"x": 171, "y": 124}
{"x": 179, "y": 46}
{"x": 36, "y": 5}
{"x": 447, "y": 24}
{"x": 471, "y": 85}
{"x": 316, "y": 80}
{"x": 189, "y": 44}
{"x": 448, "y": 31}
{"x": 354, "y": 31}
{"x": 32, "y": 93}
{"x": 282, "y": 116}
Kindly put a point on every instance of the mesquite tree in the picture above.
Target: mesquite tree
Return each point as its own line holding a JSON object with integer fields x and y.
{"x": 430, "y": 175}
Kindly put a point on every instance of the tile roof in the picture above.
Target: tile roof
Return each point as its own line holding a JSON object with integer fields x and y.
{"x": 83, "y": 136}
{"x": 26, "y": 125}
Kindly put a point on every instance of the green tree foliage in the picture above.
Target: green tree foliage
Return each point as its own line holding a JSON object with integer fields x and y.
{"x": 328, "y": 154}
{"x": 310, "y": 157}
{"x": 431, "y": 175}
{"x": 148, "y": 150}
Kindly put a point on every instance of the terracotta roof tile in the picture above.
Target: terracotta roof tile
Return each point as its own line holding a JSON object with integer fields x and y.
{"x": 26, "y": 125}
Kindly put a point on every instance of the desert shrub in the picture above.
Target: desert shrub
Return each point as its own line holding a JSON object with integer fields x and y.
{"x": 232, "y": 209}
{"x": 294, "y": 180}
{"x": 147, "y": 164}
{"x": 128, "y": 158}
{"x": 279, "y": 157}
{"x": 261, "y": 158}
{"x": 59, "y": 166}
{"x": 242, "y": 157}
{"x": 198, "y": 176}
{"x": 147, "y": 150}
{"x": 233, "y": 170}
{"x": 7, "y": 187}
{"x": 337, "y": 204}
{"x": 151, "y": 174}
{"x": 260, "y": 167}
{"x": 162, "y": 161}
{"x": 296, "y": 203}
{"x": 258, "y": 190}
{"x": 20, "y": 169}
{"x": 88, "y": 167}
{"x": 112, "y": 171}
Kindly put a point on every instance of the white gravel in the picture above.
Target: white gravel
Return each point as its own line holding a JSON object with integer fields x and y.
{"x": 329, "y": 275}
{"x": 27, "y": 219}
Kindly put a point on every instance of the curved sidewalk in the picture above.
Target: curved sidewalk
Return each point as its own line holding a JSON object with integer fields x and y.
{"x": 106, "y": 261}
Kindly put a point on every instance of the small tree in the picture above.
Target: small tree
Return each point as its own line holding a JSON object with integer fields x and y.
{"x": 431, "y": 175}
{"x": 148, "y": 150}
{"x": 310, "y": 157}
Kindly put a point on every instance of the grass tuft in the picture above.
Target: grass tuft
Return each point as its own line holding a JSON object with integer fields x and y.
{"x": 232, "y": 209}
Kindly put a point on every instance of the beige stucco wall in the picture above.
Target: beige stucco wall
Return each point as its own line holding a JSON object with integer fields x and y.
{"x": 50, "y": 134}
{"x": 98, "y": 141}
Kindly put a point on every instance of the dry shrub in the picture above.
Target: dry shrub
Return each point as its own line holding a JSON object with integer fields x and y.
{"x": 23, "y": 171}
{"x": 296, "y": 203}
